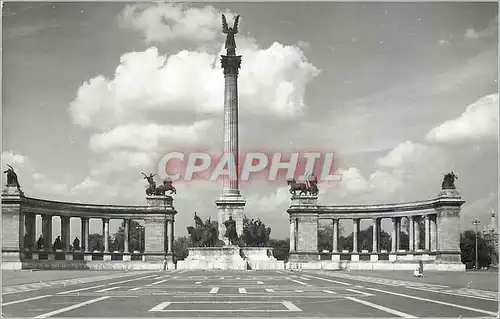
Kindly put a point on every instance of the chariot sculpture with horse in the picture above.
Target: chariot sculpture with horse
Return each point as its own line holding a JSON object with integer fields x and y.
{"x": 203, "y": 234}
{"x": 160, "y": 190}
{"x": 309, "y": 186}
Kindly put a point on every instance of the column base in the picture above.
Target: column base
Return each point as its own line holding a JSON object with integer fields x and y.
{"x": 126, "y": 256}
{"x": 106, "y": 257}
{"x": 157, "y": 256}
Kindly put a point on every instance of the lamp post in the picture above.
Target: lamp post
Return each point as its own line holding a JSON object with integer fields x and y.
{"x": 476, "y": 222}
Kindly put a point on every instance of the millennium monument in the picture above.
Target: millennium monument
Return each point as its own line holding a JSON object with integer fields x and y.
{"x": 231, "y": 203}
{"x": 216, "y": 245}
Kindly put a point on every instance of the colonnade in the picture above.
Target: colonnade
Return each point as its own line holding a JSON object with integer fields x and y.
{"x": 30, "y": 233}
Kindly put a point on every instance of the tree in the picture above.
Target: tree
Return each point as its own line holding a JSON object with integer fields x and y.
{"x": 281, "y": 248}
{"x": 181, "y": 245}
{"x": 96, "y": 242}
{"x": 365, "y": 240}
{"x": 325, "y": 238}
{"x": 255, "y": 233}
{"x": 136, "y": 237}
{"x": 468, "y": 249}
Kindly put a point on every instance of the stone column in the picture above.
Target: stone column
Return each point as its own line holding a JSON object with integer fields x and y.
{"x": 170, "y": 235}
{"x": 12, "y": 228}
{"x": 393, "y": 235}
{"x": 427, "y": 233}
{"x": 335, "y": 244}
{"x": 105, "y": 234}
{"x": 433, "y": 231}
{"x": 375, "y": 235}
{"x": 398, "y": 233}
{"x": 126, "y": 235}
{"x": 65, "y": 232}
{"x": 411, "y": 234}
{"x": 47, "y": 231}
{"x": 292, "y": 234}
{"x": 85, "y": 234}
{"x": 448, "y": 227}
{"x": 416, "y": 223}
{"x": 355, "y": 235}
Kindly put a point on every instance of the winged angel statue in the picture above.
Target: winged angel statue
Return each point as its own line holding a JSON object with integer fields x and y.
{"x": 230, "y": 31}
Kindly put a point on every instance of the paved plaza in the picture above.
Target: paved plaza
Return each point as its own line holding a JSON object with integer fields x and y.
{"x": 281, "y": 293}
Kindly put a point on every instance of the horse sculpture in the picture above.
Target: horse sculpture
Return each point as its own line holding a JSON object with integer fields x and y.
{"x": 167, "y": 186}
{"x": 308, "y": 187}
{"x": 449, "y": 181}
{"x": 204, "y": 234}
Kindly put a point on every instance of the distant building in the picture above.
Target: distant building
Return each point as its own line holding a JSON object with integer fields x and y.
{"x": 490, "y": 235}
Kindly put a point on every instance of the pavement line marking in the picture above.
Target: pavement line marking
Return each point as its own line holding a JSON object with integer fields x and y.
{"x": 330, "y": 292}
{"x": 279, "y": 272}
{"x": 260, "y": 282}
{"x": 299, "y": 282}
{"x": 108, "y": 289}
{"x": 491, "y": 313}
{"x": 290, "y": 306}
{"x": 175, "y": 277}
{"x": 81, "y": 289}
{"x": 298, "y": 290}
{"x": 197, "y": 283}
{"x": 360, "y": 292}
{"x": 23, "y": 300}
{"x": 161, "y": 306}
{"x": 129, "y": 280}
{"x": 453, "y": 293}
{"x": 221, "y": 278}
{"x": 329, "y": 280}
{"x": 214, "y": 290}
{"x": 78, "y": 305}
{"x": 136, "y": 288}
{"x": 269, "y": 290}
{"x": 242, "y": 290}
{"x": 158, "y": 282}
{"x": 304, "y": 278}
{"x": 379, "y": 307}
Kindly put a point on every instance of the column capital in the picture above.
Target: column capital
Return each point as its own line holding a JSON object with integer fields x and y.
{"x": 230, "y": 64}
{"x": 105, "y": 219}
{"x": 84, "y": 218}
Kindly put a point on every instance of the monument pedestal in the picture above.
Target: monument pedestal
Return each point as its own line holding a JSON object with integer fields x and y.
{"x": 230, "y": 206}
{"x": 210, "y": 258}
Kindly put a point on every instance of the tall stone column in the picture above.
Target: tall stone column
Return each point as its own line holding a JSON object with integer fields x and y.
{"x": 105, "y": 234}
{"x": 375, "y": 235}
{"x": 47, "y": 231}
{"x": 30, "y": 230}
{"x": 126, "y": 232}
{"x": 65, "y": 232}
{"x": 85, "y": 234}
{"x": 355, "y": 236}
{"x": 411, "y": 234}
{"x": 427, "y": 233}
{"x": 292, "y": 234}
{"x": 433, "y": 231}
{"x": 393, "y": 235}
{"x": 335, "y": 244}
{"x": 231, "y": 202}
{"x": 416, "y": 223}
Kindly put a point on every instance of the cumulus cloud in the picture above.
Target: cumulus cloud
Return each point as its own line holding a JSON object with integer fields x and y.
{"x": 272, "y": 81}
{"x": 479, "y": 121}
{"x": 404, "y": 153}
{"x": 168, "y": 21}
{"x": 444, "y": 42}
{"x": 147, "y": 137}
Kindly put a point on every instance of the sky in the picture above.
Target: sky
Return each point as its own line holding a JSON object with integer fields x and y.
{"x": 96, "y": 93}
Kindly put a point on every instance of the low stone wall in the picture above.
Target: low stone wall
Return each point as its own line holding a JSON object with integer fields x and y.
{"x": 90, "y": 265}
{"x": 378, "y": 265}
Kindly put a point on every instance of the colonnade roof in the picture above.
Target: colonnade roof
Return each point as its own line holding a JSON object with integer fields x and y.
{"x": 384, "y": 210}
{"x": 58, "y": 208}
